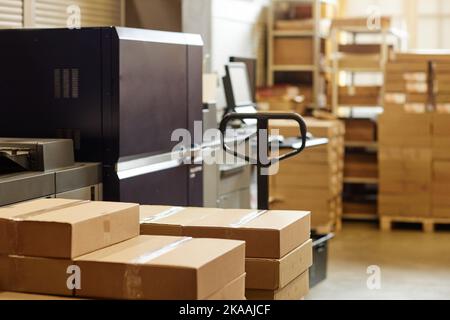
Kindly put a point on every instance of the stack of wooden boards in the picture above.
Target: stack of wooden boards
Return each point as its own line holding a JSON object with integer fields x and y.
{"x": 94, "y": 250}
{"x": 414, "y": 138}
{"x": 278, "y": 246}
{"x": 314, "y": 180}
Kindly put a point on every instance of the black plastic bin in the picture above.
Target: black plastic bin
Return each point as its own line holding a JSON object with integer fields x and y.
{"x": 318, "y": 271}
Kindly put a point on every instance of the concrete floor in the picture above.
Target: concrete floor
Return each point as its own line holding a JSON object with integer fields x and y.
{"x": 414, "y": 265}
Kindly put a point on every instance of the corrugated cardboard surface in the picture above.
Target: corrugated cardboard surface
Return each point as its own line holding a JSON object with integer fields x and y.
{"x": 293, "y": 51}
{"x": 441, "y": 136}
{"x": 296, "y": 290}
{"x": 407, "y": 130}
{"x": 38, "y": 275}
{"x": 30, "y": 297}
{"x": 24, "y": 209}
{"x": 235, "y": 290}
{"x": 156, "y": 267}
{"x": 271, "y": 234}
{"x": 70, "y": 229}
{"x": 269, "y": 274}
{"x": 410, "y": 204}
{"x": 4, "y": 273}
{"x": 169, "y": 221}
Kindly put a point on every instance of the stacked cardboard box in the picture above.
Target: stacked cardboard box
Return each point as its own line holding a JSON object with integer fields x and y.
{"x": 93, "y": 249}
{"x": 278, "y": 245}
{"x": 359, "y": 96}
{"x": 405, "y": 159}
{"x": 360, "y": 130}
{"x": 293, "y": 51}
{"x": 314, "y": 180}
{"x": 285, "y": 98}
{"x": 414, "y": 137}
{"x": 441, "y": 165}
{"x": 361, "y": 165}
{"x": 16, "y": 296}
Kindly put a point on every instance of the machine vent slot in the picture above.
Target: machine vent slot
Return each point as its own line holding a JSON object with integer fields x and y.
{"x": 75, "y": 83}
{"x": 66, "y": 83}
{"x": 57, "y": 83}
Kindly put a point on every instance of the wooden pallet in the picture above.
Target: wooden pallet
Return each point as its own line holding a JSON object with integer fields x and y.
{"x": 428, "y": 224}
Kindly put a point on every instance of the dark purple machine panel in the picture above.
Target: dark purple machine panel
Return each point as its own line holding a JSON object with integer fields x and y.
{"x": 153, "y": 96}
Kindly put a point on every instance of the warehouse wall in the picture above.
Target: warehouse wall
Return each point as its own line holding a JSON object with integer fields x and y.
{"x": 154, "y": 14}
{"x": 417, "y": 16}
{"x": 229, "y": 28}
{"x": 55, "y": 13}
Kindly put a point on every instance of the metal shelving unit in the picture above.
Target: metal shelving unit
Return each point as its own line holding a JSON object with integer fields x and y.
{"x": 352, "y": 64}
{"x": 375, "y": 63}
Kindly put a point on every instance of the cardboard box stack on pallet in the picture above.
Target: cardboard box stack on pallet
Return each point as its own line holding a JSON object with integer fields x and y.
{"x": 278, "y": 245}
{"x": 414, "y": 135}
{"x": 441, "y": 139}
{"x": 94, "y": 250}
{"x": 315, "y": 179}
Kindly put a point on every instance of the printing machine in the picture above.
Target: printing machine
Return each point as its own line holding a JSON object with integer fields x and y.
{"x": 118, "y": 94}
{"x": 45, "y": 168}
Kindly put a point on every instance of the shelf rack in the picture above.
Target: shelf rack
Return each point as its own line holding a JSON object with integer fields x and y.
{"x": 316, "y": 68}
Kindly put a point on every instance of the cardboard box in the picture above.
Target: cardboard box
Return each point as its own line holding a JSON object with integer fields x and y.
{"x": 38, "y": 275}
{"x": 362, "y": 48}
{"x": 322, "y": 211}
{"x": 159, "y": 268}
{"x": 296, "y": 290}
{"x": 359, "y": 95}
{"x": 406, "y": 67}
{"x": 71, "y": 229}
{"x": 416, "y": 205}
{"x": 356, "y": 22}
{"x": 169, "y": 221}
{"x": 285, "y": 98}
{"x": 15, "y": 296}
{"x": 360, "y": 130}
{"x": 235, "y": 290}
{"x": 268, "y": 234}
{"x": 440, "y": 197}
{"x": 4, "y": 273}
{"x": 407, "y": 130}
{"x": 297, "y": 25}
{"x": 270, "y": 274}
{"x": 441, "y": 136}
{"x": 360, "y": 62}
{"x": 293, "y": 51}
{"x": 361, "y": 165}
{"x": 9, "y": 213}
{"x": 405, "y": 169}
{"x": 319, "y": 128}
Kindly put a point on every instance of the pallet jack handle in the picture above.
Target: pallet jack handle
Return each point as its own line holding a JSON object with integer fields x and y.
{"x": 263, "y": 161}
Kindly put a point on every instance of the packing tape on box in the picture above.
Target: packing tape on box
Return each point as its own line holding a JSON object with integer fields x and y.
{"x": 13, "y": 225}
{"x": 165, "y": 214}
{"x": 248, "y": 218}
{"x": 42, "y": 211}
{"x": 132, "y": 278}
